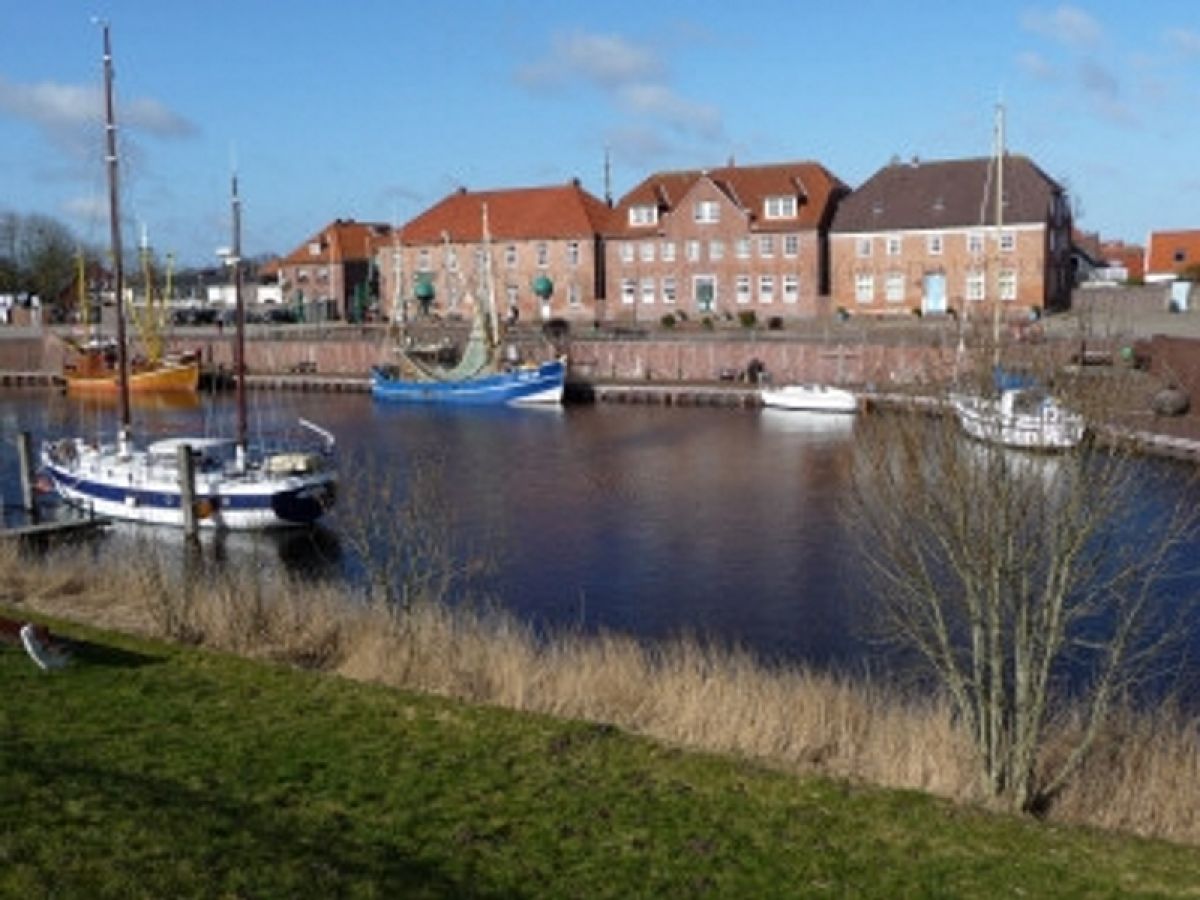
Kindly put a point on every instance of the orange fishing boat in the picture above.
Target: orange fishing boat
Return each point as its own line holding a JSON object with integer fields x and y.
{"x": 94, "y": 370}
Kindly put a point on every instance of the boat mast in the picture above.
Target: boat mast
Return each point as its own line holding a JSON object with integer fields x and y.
{"x": 114, "y": 222}
{"x": 999, "y": 151}
{"x": 239, "y": 314}
{"x": 490, "y": 288}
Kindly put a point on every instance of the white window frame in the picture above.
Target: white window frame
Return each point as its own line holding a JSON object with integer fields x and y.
{"x": 643, "y": 216}
{"x": 706, "y": 212}
{"x": 976, "y": 288}
{"x": 1008, "y": 241}
{"x": 743, "y": 289}
{"x": 742, "y": 249}
{"x": 647, "y": 251}
{"x": 766, "y": 246}
{"x": 791, "y": 246}
{"x": 935, "y": 243}
{"x": 574, "y": 295}
{"x": 893, "y": 287}
{"x": 791, "y": 288}
{"x": 668, "y": 251}
{"x": 510, "y": 256}
{"x": 975, "y": 243}
{"x": 893, "y": 245}
{"x": 669, "y": 290}
{"x": 863, "y": 247}
{"x": 628, "y": 291}
{"x": 864, "y": 288}
{"x": 780, "y": 207}
{"x": 627, "y": 251}
{"x": 647, "y": 292}
{"x": 573, "y": 255}
{"x": 542, "y": 251}
{"x": 766, "y": 289}
{"x": 692, "y": 248}
{"x": 1006, "y": 285}
{"x": 716, "y": 250}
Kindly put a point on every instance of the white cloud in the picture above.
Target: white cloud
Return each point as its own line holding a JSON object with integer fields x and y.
{"x": 1184, "y": 40}
{"x": 69, "y": 114}
{"x": 1067, "y": 24}
{"x": 634, "y": 79}
{"x": 601, "y": 59}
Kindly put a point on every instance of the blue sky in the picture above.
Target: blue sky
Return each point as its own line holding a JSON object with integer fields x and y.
{"x": 376, "y": 109}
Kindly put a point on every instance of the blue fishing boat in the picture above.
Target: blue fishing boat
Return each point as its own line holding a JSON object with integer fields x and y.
{"x": 483, "y": 376}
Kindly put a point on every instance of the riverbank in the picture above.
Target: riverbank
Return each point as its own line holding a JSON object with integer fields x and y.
{"x": 682, "y": 693}
{"x": 148, "y": 770}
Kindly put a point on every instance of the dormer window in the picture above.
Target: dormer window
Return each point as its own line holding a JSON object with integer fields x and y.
{"x": 779, "y": 208}
{"x": 314, "y": 248}
{"x": 642, "y": 216}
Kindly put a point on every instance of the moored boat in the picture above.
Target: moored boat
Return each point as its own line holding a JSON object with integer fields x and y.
{"x": 810, "y": 397}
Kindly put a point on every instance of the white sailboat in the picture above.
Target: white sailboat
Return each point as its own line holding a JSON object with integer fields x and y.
{"x": 232, "y": 487}
{"x": 1020, "y": 413}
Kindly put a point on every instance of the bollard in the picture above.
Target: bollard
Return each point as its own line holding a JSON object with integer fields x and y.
{"x": 187, "y": 489}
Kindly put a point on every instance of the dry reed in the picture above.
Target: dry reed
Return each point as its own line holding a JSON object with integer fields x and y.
{"x": 685, "y": 692}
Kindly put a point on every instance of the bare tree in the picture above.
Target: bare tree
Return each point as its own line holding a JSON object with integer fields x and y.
{"x": 1027, "y": 586}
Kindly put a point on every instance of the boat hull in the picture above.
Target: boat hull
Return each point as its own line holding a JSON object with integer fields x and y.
{"x": 135, "y": 488}
{"x": 810, "y": 398}
{"x": 168, "y": 378}
{"x": 526, "y": 385}
{"x": 994, "y": 421}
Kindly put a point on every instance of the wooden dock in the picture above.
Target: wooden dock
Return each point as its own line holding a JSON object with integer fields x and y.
{"x": 53, "y": 530}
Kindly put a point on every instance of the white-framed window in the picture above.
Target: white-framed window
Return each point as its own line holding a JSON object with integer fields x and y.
{"x": 574, "y": 295}
{"x": 424, "y": 260}
{"x": 627, "y": 252}
{"x": 976, "y": 285}
{"x": 573, "y": 253}
{"x": 693, "y": 251}
{"x": 641, "y": 216}
{"x": 647, "y": 251}
{"x": 716, "y": 250}
{"x": 766, "y": 288}
{"x": 314, "y": 248}
{"x": 742, "y": 248}
{"x": 1006, "y": 285}
{"x": 1008, "y": 242}
{"x": 668, "y": 251}
{"x": 791, "y": 288}
{"x": 542, "y": 251}
{"x": 510, "y": 256}
{"x": 893, "y": 287}
{"x": 669, "y": 289}
{"x": 862, "y": 247}
{"x": 452, "y": 259}
{"x": 893, "y": 245}
{"x": 706, "y": 212}
{"x": 647, "y": 290}
{"x": 742, "y": 289}
{"x": 975, "y": 243}
{"x": 766, "y": 246}
{"x": 864, "y": 287}
{"x": 779, "y": 208}
{"x": 933, "y": 244}
{"x": 513, "y": 294}
{"x": 791, "y": 246}
{"x": 628, "y": 291}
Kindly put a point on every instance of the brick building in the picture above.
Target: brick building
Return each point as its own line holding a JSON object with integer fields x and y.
{"x": 331, "y": 276}
{"x": 923, "y": 237}
{"x": 547, "y": 255}
{"x": 708, "y": 243}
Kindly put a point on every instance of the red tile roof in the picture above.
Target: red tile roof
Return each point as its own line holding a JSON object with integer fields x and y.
{"x": 1131, "y": 256}
{"x": 815, "y": 187}
{"x": 548, "y": 213}
{"x": 342, "y": 240}
{"x": 1170, "y": 252}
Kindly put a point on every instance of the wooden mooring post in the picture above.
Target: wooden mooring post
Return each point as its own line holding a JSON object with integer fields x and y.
{"x": 187, "y": 489}
{"x": 28, "y": 493}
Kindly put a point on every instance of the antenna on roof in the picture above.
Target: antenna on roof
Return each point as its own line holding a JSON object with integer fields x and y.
{"x": 607, "y": 177}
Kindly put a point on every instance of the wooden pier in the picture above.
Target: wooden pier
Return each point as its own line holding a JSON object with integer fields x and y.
{"x": 55, "y": 530}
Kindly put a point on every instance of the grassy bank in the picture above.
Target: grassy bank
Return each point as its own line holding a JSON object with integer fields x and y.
{"x": 151, "y": 770}
{"x": 683, "y": 694}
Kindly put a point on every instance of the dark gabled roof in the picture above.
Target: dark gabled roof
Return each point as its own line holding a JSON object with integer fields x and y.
{"x": 536, "y": 213}
{"x": 947, "y": 194}
{"x": 814, "y": 186}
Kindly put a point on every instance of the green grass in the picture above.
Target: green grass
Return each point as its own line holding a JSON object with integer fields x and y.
{"x": 150, "y": 771}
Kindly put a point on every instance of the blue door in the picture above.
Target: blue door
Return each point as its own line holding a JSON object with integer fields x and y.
{"x": 934, "y": 300}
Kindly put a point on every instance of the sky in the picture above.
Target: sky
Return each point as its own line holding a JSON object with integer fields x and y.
{"x": 376, "y": 109}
